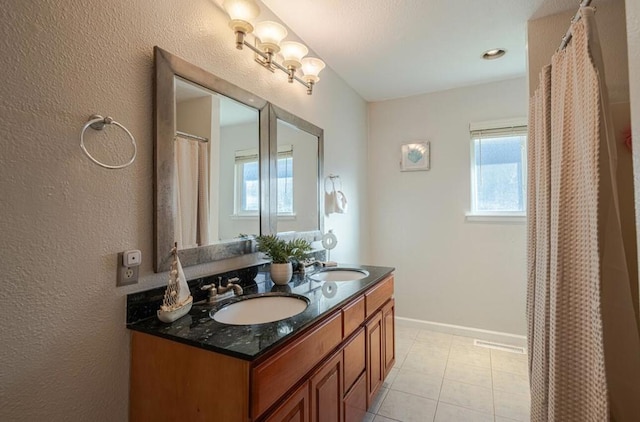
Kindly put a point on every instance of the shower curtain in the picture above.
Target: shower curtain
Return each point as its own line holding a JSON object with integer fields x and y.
{"x": 584, "y": 346}
{"x": 192, "y": 193}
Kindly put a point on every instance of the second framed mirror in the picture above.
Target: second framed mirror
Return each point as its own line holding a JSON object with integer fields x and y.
{"x": 295, "y": 174}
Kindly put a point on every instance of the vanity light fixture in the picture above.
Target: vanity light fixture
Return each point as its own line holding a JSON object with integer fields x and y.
{"x": 268, "y": 40}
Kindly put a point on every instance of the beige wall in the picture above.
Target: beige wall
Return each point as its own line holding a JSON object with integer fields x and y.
{"x": 64, "y": 349}
{"x": 449, "y": 270}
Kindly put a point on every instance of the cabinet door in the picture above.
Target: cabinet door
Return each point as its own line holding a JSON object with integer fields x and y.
{"x": 355, "y": 402}
{"x": 354, "y": 359}
{"x": 326, "y": 391}
{"x": 294, "y": 409}
{"x": 375, "y": 355}
{"x": 388, "y": 321}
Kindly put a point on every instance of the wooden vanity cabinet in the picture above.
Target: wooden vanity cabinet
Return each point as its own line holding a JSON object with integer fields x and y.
{"x": 171, "y": 381}
{"x": 329, "y": 373}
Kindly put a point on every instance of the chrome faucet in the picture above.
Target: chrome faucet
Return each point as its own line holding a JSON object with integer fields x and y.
{"x": 218, "y": 293}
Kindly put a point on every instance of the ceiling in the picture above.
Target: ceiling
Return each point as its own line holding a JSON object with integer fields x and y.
{"x": 396, "y": 48}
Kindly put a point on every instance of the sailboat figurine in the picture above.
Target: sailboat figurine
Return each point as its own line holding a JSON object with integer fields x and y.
{"x": 177, "y": 300}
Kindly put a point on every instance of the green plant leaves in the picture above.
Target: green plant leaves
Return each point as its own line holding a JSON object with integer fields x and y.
{"x": 281, "y": 251}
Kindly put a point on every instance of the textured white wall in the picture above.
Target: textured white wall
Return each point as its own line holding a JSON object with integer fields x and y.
{"x": 64, "y": 350}
{"x": 633, "y": 44}
{"x": 448, "y": 270}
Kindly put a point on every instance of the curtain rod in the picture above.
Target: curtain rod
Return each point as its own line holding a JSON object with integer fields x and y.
{"x": 188, "y": 135}
{"x": 576, "y": 18}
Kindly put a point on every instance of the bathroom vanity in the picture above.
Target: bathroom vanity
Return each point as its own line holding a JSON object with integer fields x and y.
{"x": 324, "y": 364}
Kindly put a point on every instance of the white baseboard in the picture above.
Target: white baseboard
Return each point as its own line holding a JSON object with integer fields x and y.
{"x": 458, "y": 330}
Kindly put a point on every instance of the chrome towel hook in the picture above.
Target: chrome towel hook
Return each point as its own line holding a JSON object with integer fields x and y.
{"x": 98, "y": 122}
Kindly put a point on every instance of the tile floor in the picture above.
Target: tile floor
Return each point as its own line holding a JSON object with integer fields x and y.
{"x": 441, "y": 377}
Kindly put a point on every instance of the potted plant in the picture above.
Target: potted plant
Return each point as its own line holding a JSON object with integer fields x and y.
{"x": 281, "y": 252}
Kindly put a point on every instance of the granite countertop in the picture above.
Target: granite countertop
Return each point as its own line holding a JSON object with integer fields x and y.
{"x": 249, "y": 342}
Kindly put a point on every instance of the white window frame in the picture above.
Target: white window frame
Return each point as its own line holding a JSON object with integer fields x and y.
{"x": 251, "y": 156}
{"x": 286, "y": 151}
{"x": 497, "y": 128}
{"x": 243, "y": 157}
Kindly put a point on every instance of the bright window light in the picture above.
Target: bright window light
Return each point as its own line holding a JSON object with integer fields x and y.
{"x": 498, "y": 172}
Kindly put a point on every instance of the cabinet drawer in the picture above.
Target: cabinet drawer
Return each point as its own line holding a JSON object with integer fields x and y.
{"x": 377, "y": 296}
{"x": 352, "y": 316}
{"x": 274, "y": 377}
{"x": 354, "y": 359}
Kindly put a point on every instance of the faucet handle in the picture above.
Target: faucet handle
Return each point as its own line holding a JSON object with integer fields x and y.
{"x": 213, "y": 291}
{"x": 233, "y": 280}
{"x": 210, "y": 287}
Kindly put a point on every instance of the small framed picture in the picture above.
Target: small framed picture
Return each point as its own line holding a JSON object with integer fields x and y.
{"x": 415, "y": 157}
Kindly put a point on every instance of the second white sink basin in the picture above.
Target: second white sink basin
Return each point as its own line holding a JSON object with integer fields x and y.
{"x": 339, "y": 274}
{"x": 261, "y": 309}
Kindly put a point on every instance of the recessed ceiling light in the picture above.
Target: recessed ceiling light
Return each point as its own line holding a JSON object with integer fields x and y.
{"x": 495, "y": 53}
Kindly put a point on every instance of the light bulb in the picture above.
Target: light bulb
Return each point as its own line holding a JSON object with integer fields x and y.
{"x": 241, "y": 12}
{"x": 311, "y": 68}
{"x": 270, "y": 34}
{"x": 292, "y": 54}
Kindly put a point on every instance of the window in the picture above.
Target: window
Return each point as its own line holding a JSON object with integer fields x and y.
{"x": 247, "y": 182}
{"x": 498, "y": 169}
{"x": 285, "y": 182}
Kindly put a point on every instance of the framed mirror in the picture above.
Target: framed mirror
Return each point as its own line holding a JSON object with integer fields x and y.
{"x": 211, "y": 164}
{"x": 298, "y": 148}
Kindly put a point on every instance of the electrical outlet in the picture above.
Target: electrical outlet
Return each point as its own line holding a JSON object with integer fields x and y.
{"x": 126, "y": 275}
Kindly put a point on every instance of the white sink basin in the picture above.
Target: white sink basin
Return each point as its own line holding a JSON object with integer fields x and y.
{"x": 261, "y": 309}
{"x": 339, "y": 274}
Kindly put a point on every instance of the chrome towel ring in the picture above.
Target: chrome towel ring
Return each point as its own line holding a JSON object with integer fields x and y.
{"x": 97, "y": 122}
